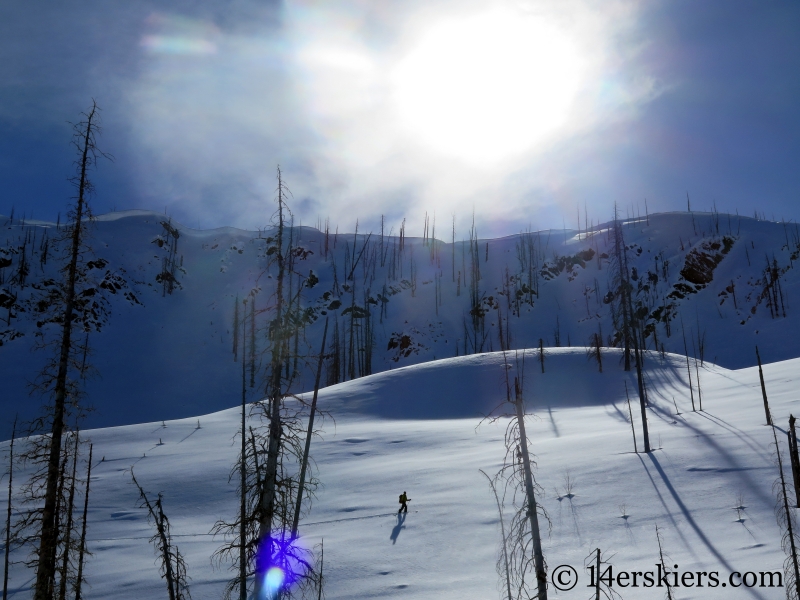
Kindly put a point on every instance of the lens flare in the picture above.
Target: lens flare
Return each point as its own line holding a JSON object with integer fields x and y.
{"x": 273, "y": 581}
{"x": 173, "y": 35}
{"x": 159, "y": 44}
{"x": 280, "y": 567}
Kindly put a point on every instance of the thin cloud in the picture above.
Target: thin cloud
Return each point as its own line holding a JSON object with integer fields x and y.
{"x": 317, "y": 98}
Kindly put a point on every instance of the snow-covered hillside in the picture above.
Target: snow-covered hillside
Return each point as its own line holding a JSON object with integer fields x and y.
{"x": 419, "y": 429}
{"x": 169, "y": 355}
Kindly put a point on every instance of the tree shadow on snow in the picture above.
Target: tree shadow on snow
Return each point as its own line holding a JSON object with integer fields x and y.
{"x": 553, "y": 422}
{"x": 188, "y": 436}
{"x": 667, "y": 510}
{"x": 730, "y": 459}
{"x": 688, "y": 516}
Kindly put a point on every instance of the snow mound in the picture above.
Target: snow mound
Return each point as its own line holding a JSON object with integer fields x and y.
{"x": 475, "y": 386}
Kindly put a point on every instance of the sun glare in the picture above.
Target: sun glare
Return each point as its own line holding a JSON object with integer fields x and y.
{"x": 487, "y": 87}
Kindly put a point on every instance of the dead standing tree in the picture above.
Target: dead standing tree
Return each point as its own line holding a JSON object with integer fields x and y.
{"x": 309, "y": 433}
{"x": 27, "y": 527}
{"x": 600, "y": 578}
{"x": 173, "y": 567}
{"x": 8, "y": 515}
{"x": 85, "y": 141}
{"x": 595, "y": 348}
{"x": 82, "y": 551}
{"x": 522, "y": 552}
{"x": 621, "y": 285}
{"x": 267, "y": 469}
{"x": 67, "y": 541}
{"x": 280, "y": 334}
{"x": 662, "y": 566}
{"x": 788, "y": 524}
{"x": 624, "y": 312}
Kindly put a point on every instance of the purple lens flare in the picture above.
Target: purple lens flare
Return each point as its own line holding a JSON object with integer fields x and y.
{"x": 280, "y": 564}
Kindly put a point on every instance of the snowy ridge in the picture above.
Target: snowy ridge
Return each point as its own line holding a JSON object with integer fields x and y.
{"x": 170, "y": 355}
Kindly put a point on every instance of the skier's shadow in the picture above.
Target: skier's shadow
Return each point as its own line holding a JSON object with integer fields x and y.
{"x": 401, "y": 519}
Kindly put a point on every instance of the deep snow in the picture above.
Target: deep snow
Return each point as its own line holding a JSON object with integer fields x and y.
{"x": 419, "y": 429}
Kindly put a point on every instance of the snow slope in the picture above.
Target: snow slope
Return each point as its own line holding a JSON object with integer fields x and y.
{"x": 169, "y": 356}
{"x": 419, "y": 429}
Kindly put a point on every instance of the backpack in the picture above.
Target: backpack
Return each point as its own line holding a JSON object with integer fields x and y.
{"x": 401, "y": 499}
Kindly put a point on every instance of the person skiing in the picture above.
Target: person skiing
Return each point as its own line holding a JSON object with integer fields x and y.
{"x": 403, "y": 500}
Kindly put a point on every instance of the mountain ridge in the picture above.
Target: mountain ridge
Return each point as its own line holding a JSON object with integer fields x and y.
{"x": 411, "y": 300}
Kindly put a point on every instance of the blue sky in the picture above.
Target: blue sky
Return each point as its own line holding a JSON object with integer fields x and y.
{"x": 399, "y": 108}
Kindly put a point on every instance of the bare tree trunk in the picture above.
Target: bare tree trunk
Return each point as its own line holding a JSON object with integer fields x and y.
{"x": 642, "y": 403}
{"x": 158, "y": 520}
{"x": 82, "y": 550}
{"x": 8, "y": 514}
{"x": 541, "y": 353}
{"x": 46, "y": 565}
{"x": 763, "y": 388}
{"x": 795, "y": 459}
{"x": 172, "y": 584}
{"x": 533, "y": 515}
{"x": 688, "y": 369}
{"x": 309, "y": 434}
{"x": 630, "y": 412}
{"x": 697, "y": 378}
{"x": 236, "y": 329}
{"x": 59, "y": 510}
{"x": 598, "y": 346}
{"x": 321, "y": 562}
{"x": 253, "y": 342}
{"x": 275, "y": 397}
{"x": 243, "y": 473}
{"x": 619, "y": 251}
{"x": 663, "y": 564}
{"x": 789, "y": 517}
{"x": 62, "y": 593}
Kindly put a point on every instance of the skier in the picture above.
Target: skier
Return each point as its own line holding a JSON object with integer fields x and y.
{"x": 403, "y": 500}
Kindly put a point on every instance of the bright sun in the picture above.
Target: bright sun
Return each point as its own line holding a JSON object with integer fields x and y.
{"x": 487, "y": 87}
